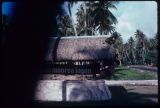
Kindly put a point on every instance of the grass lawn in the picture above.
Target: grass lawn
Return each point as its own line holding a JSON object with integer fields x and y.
{"x": 124, "y": 73}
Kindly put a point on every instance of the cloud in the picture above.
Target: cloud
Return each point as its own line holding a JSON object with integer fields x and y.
{"x": 136, "y": 15}
{"x": 133, "y": 15}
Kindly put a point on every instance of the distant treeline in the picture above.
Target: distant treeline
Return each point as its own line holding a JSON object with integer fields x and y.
{"x": 139, "y": 50}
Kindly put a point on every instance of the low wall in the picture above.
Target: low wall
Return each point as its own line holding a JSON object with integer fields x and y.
{"x": 71, "y": 90}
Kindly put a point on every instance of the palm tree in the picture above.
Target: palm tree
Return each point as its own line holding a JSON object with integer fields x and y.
{"x": 80, "y": 19}
{"x": 124, "y": 54}
{"x": 131, "y": 46}
{"x": 127, "y": 57}
{"x": 141, "y": 45}
{"x": 65, "y": 27}
{"x": 115, "y": 37}
{"x": 131, "y": 42}
{"x": 98, "y": 17}
{"x": 89, "y": 16}
{"x": 152, "y": 50}
{"x": 103, "y": 17}
{"x": 153, "y": 43}
{"x": 70, "y": 4}
{"x": 116, "y": 41}
{"x": 83, "y": 19}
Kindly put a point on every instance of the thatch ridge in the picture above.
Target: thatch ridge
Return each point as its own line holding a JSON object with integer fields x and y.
{"x": 82, "y": 48}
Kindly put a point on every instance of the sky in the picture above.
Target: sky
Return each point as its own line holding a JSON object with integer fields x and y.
{"x": 133, "y": 15}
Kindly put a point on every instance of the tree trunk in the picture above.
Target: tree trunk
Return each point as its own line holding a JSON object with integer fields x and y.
{"x": 134, "y": 56}
{"x": 69, "y": 8}
{"x": 92, "y": 31}
{"x": 85, "y": 21}
{"x": 143, "y": 56}
{"x": 120, "y": 62}
{"x": 128, "y": 56}
{"x": 121, "y": 59}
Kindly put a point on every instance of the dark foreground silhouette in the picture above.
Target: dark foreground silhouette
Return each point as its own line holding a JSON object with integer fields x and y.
{"x": 23, "y": 52}
{"x": 24, "y": 49}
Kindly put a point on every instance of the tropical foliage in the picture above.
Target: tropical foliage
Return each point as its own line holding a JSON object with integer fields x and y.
{"x": 141, "y": 50}
{"x": 65, "y": 27}
{"x": 70, "y": 4}
{"x": 103, "y": 17}
{"x": 92, "y": 16}
{"x": 95, "y": 17}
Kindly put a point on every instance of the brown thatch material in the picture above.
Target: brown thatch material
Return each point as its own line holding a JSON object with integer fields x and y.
{"x": 81, "y": 48}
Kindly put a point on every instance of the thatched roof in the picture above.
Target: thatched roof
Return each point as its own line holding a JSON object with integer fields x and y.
{"x": 81, "y": 48}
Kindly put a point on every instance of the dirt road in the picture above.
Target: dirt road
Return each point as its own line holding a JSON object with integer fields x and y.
{"x": 142, "y": 67}
{"x": 134, "y": 95}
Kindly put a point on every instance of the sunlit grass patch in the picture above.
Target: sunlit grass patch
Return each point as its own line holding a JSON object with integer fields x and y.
{"x": 124, "y": 73}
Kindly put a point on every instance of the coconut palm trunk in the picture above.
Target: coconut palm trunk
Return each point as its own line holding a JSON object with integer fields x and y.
{"x": 85, "y": 21}
{"x": 92, "y": 31}
{"x": 119, "y": 58}
{"x": 70, "y": 13}
{"x": 134, "y": 57}
{"x": 144, "y": 55}
{"x": 127, "y": 55}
